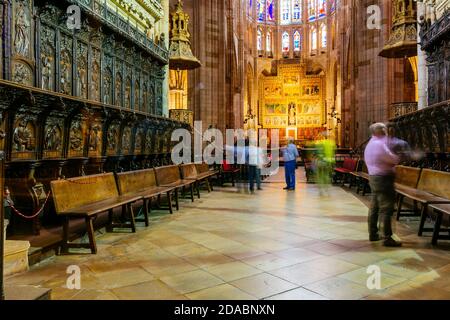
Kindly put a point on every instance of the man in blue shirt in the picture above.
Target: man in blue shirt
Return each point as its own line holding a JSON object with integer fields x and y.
{"x": 290, "y": 155}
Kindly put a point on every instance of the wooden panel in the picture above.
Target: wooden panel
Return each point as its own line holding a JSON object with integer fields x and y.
{"x": 202, "y": 167}
{"x": 129, "y": 182}
{"x": 435, "y": 182}
{"x": 167, "y": 175}
{"x": 407, "y": 176}
{"x": 188, "y": 171}
{"x": 75, "y": 192}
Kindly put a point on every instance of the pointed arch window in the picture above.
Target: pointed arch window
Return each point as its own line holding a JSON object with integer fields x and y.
{"x": 285, "y": 11}
{"x": 285, "y": 42}
{"x": 297, "y": 41}
{"x": 269, "y": 41}
{"x": 311, "y": 10}
{"x": 323, "y": 35}
{"x": 296, "y": 10}
{"x": 313, "y": 38}
{"x": 270, "y": 10}
{"x": 260, "y": 8}
{"x": 259, "y": 41}
{"x": 321, "y": 8}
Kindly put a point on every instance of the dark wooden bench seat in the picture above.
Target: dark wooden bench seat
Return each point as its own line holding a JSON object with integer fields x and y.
{"x": 432, "y": 188}
{"x": 143, "y": 183}
{"x": 170, "y": 176}
{"x": 228, "y": 170}
{"x": 87, "y": 197}
{"x": 189, "y": 172}
{"x": 442, "y": 212}
{"x": 361, "y": 177}
{"x": 342, "y": 173}
{"x": 406, "y": 180}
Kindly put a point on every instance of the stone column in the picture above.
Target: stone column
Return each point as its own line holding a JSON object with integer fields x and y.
{"x": 165, "y": 29}
{"x": 422, "y": 72}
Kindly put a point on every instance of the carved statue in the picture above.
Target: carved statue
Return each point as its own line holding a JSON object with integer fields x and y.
{"x": 118, "y": 90}
{"x": 95, "y": 81}
{"x": 22, "y": 74}
{"x": 52, "y": 140}
{"x": 128, "y": 94}
{"x": 126, "y": 139}
{"x": 138, "y": 142}
{"x": 76, "y": 137}
{"x": 66, "y": 72}
{"x": 94, "y": 139}
{"x": 81, "y": 78}
{"x": 47, "y": 70}
{"x": 107, "y": 87}
{"x": 112, "y": 138}
{"x": 22, "y": 30}
{"x": 22, "y": 136}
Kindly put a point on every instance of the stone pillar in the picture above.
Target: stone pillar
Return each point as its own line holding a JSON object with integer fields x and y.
{"x": 165, "y": 29}
{"x": 422, "y": 72}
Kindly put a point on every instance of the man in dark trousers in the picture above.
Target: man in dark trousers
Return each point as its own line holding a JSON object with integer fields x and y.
{"x": 381, "y": 162}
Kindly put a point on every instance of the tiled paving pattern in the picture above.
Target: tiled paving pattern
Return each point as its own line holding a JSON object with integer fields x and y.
{"x": 270, "y": 245}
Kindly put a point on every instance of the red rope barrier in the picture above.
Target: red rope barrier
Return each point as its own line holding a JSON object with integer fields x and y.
{"x": 20, "y": 214}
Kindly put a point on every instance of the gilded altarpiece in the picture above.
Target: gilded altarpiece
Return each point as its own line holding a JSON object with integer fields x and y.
{"x": 292, "y": 100}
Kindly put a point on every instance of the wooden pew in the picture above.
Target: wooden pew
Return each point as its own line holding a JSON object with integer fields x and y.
{"x": 189, "y": 172}
{"x": 204, "y": 170}
{"x": 440, "y": 211}
{"x": 170, "y": 176}
{"x": 143, "y": 183}
{"x": 87, "y": 197}
{"x": 432, "y": 188}
{"x": 229, "y": 170}
{"x": 347, "y": 168}
{"x": 405, "y": 179}
{"x": 362, "y": 177}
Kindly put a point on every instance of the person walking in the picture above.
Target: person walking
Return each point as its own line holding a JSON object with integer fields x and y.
{"x": 381, "y": 162}
{"x": 290, "y": 155}
{"x": 255, "y": 164}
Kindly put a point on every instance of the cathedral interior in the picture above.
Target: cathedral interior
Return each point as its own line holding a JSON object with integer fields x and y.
{"x": 93, "y": 90}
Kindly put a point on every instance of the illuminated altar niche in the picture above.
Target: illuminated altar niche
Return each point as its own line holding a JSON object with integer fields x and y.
{"x": 293, "y": 102}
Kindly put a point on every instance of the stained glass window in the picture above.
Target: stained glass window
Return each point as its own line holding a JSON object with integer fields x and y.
{"x": 323, "y": 35}
{"x": 313, "y": 38}
{"x": 296, "y": 10}
{"x": 250, "y": 7}
{"x": 269, "y": 41}
{"x": 270, "y": 12}
{"x": 259, "y": 40}
{"x": 297, "y": 41}
{"x": 285, "y": 42}
{"x": 312, "y": 10}
{"x": 260, "y": 10}
{"x": 285, "y": 11}
{"x": 322, "y": 8}
{"x": 333, "y": 5}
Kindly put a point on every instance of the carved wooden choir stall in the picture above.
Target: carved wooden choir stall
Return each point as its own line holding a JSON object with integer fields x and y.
{"x": 78, "y": 101}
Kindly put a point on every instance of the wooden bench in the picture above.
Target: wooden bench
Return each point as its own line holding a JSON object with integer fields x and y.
{"x": 87, "y": 197}
{"x": 229, "y": 170}
{"x": 143, "y": 183}
{"x": 405, "y": 179}
{"x": 170, "y": 176}
{"x": 432, "y": 188}
{"x": 204, "y": 169}
{"x": 440, "y": 211}
{"x": 361, "y": 176}
{"x": 344, "y": 172}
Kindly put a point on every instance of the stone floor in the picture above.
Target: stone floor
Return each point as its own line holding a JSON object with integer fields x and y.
{"x": 270, "y": 245}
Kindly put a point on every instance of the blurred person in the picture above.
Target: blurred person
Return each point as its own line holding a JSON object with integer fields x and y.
{"x": 381, "y": 162}
{"x": 255, "y": 164}
{"x": 325, "y": 161}
{"x": 400, "y": 147}
{"x": 290, "y": 155}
